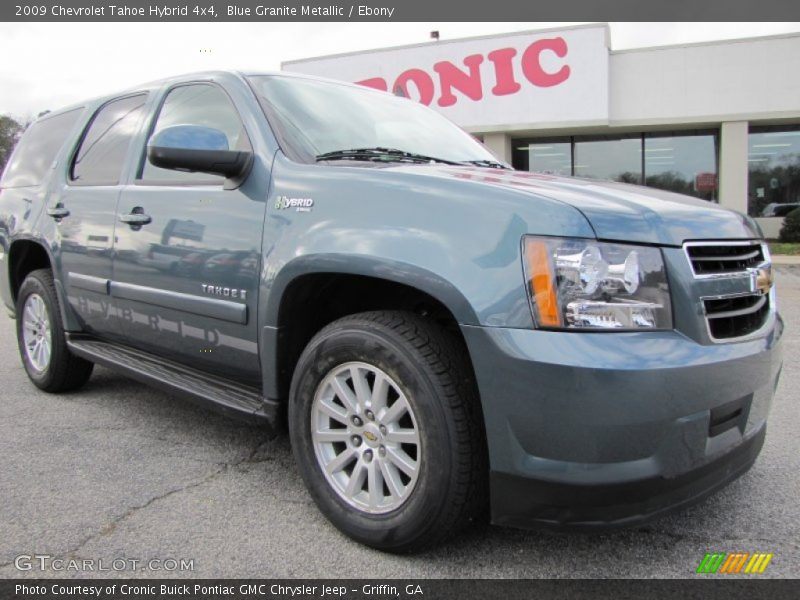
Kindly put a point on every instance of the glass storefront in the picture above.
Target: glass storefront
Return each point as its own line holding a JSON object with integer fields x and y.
{"x": 773, "y": 159}
{"x": 686, "y": 164}
{"x": 683, "y": 162}
{"x": 553, "y": 156}
{"x": 614, "y": 158}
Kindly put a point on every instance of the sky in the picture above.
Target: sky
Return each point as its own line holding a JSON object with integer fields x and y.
{"x": 45, "y": 66}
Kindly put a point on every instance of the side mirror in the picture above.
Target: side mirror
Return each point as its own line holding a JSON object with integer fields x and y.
{"x": 197, "y": 149}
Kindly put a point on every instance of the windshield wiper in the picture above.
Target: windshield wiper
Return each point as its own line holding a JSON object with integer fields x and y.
{"x": 486, "y": 163}
{"x": 379, "y": 153}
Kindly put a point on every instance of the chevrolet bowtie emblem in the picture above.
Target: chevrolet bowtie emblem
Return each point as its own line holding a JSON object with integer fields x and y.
{"x": 761, "y": 279}
{"x": 370, "y": 436}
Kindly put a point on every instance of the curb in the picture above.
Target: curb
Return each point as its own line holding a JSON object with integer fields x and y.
{"x": 784, "y": 260}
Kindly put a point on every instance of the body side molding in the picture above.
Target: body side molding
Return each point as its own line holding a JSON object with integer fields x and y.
{"x": 224, "y": 310}
{"x": 88, "y": 282}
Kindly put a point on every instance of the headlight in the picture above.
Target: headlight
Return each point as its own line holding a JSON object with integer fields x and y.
{"x": 585, "y": 284}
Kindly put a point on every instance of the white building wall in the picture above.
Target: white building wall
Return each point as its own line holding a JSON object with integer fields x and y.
{"x": 499, "y": 144}
{"x": 706, "y": 83}
{"x": 733, "y": 165}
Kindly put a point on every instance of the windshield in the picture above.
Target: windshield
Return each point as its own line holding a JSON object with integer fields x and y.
{"x": 317, "y": 118}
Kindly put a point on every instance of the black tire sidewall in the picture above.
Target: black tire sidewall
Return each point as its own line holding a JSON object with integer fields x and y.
{"x": 403, "y": 526}
{"x": 35, "y": 283}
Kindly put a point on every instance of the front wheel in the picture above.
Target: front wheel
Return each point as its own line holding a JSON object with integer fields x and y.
{"x": 40, "y": 335}
{"x": 386, "y": 429}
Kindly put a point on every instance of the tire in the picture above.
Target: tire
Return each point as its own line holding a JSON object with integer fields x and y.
{"x": 57, "y": 370}
{"x": 429, "y": 369}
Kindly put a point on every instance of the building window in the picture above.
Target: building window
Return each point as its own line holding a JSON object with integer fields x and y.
{"x": 686, "y": 164}
{"x": 773, "y": 159}
{"x": 550, "y": 155}
{"x": 612, "y": 158}
{"x": 683, "y": 162}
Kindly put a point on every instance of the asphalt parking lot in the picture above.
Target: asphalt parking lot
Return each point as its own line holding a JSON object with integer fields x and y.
{"x": 118, "y": 470}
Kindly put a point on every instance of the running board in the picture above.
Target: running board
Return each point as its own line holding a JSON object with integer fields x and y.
{"x": 225, "y": 396}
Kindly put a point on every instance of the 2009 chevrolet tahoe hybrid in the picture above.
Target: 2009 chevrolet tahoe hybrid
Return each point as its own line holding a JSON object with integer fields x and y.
{"x": 443, "y": 335}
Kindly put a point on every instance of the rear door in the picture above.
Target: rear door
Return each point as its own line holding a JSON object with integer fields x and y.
{"x": 85, "y": 210}
{"x": 28, "y": 178}
{"x": 186, "y": 281}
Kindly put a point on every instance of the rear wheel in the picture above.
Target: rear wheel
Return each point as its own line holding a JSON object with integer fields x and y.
{"x": 40, "y": 335}
{"x": 386, "y": 428}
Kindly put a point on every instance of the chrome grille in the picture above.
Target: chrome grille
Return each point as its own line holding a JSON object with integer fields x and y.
{"x": 734, "y": 282}
{"x": 736, "y": 317}
{"x": 721, "y": 258}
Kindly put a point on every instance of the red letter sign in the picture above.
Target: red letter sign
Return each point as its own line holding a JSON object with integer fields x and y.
{"x": 503, "y": 72}
{"x": 379, "y": 83}
{"x": 419, "y": 78}
{"x": 451, "y": 76}
{"x": 532, "y": 65}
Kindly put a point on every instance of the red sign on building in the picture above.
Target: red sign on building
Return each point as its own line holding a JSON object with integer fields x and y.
{"x": 705, "y": 182}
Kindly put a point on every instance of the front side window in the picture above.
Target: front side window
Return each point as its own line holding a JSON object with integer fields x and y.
{"x": 38, "y": 148}
{"x": 104, "y": 148}
{"x": 314, "y": 118}
{"x": 200, "y": 104}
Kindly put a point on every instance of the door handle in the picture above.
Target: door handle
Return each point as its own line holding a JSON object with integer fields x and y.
{"x": 58, "y": 212}
{"x": 136, "y": 218}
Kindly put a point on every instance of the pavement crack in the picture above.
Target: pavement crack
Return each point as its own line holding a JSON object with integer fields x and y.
{"x": 251, "y": 458}
{"x": 109, "y": 528}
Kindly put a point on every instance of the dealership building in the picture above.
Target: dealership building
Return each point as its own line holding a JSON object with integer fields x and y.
{"x": 717, "y": 120}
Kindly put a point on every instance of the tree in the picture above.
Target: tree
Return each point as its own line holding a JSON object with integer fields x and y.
{"x": 790, "y": 232}
{"x": 10, "y": 132}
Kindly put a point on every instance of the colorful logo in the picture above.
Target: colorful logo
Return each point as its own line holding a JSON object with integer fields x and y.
{"x": 736, "y": 562}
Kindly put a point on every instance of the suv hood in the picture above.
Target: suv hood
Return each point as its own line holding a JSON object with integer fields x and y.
{"x": 616, "y": 211}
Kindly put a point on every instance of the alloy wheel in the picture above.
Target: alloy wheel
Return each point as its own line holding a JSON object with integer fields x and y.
{"x": 36, "y": 333}
{"x": 365, "y": 437}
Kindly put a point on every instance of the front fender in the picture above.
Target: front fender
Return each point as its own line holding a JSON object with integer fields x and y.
{"x": 369, "y": 266}
{"x": 456, "y": 239}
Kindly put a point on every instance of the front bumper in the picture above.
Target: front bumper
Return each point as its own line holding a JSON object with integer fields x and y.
{"x": 608, "y": 429}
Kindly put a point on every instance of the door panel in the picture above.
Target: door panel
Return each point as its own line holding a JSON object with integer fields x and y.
{"x": 87, "y": 240}
{"x": 198, "y": 239}
{"x": 186, "y": 279}
{"x": 89, "y": 202}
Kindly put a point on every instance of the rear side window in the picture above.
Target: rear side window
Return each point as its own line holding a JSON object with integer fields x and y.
{"x": 37, "y": 150}
{"x": 101, "y": 155}
{"x": 196, "y": 104}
